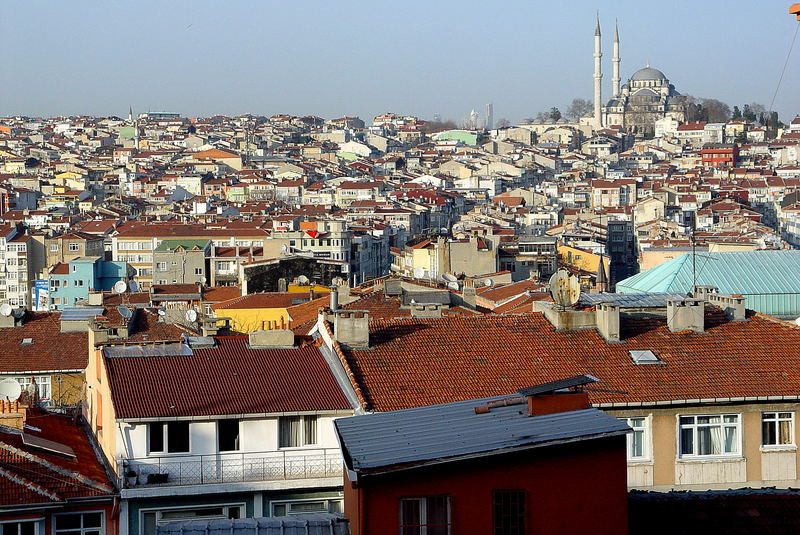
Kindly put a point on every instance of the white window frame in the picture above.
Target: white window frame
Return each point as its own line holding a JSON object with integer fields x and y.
{"x": 289, "y": 503}
{"x": 776, "y": 418}
{"x": 82, "y": 530}
{"x": 73, "y": 247}
{"x": 303, "y": 442}
{"x": 160, "y": 510}
{"x": 695, "y": 427}
{"x": 41, "y": 380}
{"x": 645, "y": 430}
{"x": 39, "y": 524}
{"x": 165, "y": 430}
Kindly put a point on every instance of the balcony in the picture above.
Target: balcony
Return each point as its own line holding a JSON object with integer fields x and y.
{"x": 233, "y": 467}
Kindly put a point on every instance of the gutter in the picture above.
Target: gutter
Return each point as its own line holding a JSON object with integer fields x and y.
{"x": 695, "y": 401}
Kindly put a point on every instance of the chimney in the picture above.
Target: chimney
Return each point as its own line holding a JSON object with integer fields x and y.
{"x": 703, "y": 292}
{"x": 282, "y": 285}
{"x": 334, "y": 298}
{"x": 607, "y": 320}
{"x": 733, "y": 305}
{"x": 551, "y": 403}
{"x": 431, "y": 310}
{"x": 686, "y": 315}
{"x": 311, "y": 292}
{"x": 13, "y": 414}
{"x": 469, "y": 295}
{"x": 271, "y": 339}
{"x": 351, "y": 328}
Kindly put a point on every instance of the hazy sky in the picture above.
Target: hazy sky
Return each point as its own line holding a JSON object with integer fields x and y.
{"x": 342, "y": 57}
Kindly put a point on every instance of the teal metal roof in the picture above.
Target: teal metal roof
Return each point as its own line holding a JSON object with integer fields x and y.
{"x": 770, "y": 280}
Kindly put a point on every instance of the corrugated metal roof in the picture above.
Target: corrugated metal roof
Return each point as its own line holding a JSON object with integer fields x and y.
{"x": 560, "y": 384}
{"x": 640, "y": 300}
{"x": 228, "y": 379}
{"x": 159, "y": 350}
{"x": 305, "y": 524}
{"x": 769, "y": 279}
{"x": 377, "y": 442}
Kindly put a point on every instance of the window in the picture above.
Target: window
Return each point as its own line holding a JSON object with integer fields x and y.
{"x": 228, "y": 433}
{"x": 709, "y": 435}
{"x": 161, "y": 266}
{"x": 28, "y": 527}
{"x": 298, "y": 507}
{"x": 42, "y": 384}
{"x": 508, "y": 510}
{"x": 426, "y": 515}
{"x": 637, "y": 441}
{"x": 152, "y": 519}
{"x": 777, "y": 428}
{"x": 79, "y": 524}
{"x": 296, "y": 431}
{"x": 172, "y": 437}
{"x": 198, "y": 271}
{"x": 74, "y": 247}
{"x": 53, "y": 247}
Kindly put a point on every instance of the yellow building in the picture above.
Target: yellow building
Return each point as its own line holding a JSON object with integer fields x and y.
{"x": 274, "y": 310}
{"x": 581, "y": 259}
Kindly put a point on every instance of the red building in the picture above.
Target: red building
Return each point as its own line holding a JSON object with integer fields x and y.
{"x": 720, "y": 155}
{"x": 538, "y": 462}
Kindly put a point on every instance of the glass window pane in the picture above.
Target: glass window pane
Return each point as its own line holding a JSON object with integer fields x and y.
{"x": 27, "y": 528}
{"x": 178, "y": 437}
{"x": 289, "y": 431}
{"x": 768, "y": 433}
{"x": 637, "y": 444}
{"x": 786, "y": 432}
{"x": 687, "y": 442}
{"x": 687, "y": 420}
{"x": 156, "y": 437}
{"x": 68, "y": 522}
{"x": 149, "y": 521}
{"x": 310, "y": 431}
{"x": 279, "y": 510}
{"x": 731, "y": 440}
{"x": 228, "y": 431}
{"x": 731, "y": 418}
{"x": 787, "y": 415}
{"x": 409, "y": 514}
{"x": 92, "y": 520}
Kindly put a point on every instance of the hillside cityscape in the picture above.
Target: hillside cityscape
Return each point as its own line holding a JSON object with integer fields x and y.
{"x": 584, "y": 320}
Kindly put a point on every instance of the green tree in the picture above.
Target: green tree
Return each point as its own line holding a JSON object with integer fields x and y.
{"x": 555, "y": 114}
{"x": 737, "y": 114}
{"x": 747, "y": 113}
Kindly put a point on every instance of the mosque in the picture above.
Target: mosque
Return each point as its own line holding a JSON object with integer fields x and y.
{"x": 638, "y": 104}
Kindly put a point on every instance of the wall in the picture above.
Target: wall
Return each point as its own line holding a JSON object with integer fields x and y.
{"x": 246, "y": 320}
{"x": 755, "y": 467}
{"x": 569, "y": 488}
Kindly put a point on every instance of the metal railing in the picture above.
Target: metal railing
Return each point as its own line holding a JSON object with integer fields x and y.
{"x": 230, "y": 467}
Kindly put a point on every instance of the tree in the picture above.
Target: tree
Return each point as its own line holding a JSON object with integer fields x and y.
{"x": 438, "y": 126}
{"x": 717, "y": 111}
{"x": 578, "y": 108}
{"x": 503, "y": 123}
{"x": 747, "y": 113}
{"x": 555, "y": 114}
{"x": 737, "y": 114}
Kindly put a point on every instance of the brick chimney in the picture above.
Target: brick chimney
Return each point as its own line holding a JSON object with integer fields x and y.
{"x": 541, "y": 404}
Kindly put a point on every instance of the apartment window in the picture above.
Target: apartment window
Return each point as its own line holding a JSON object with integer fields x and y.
{"x": 299, "y": 507}
{"x": 79, "y": 524}
{"x": 172, "y": 437}
{"x": 53, "y": 247}
{"x": 42, "y": 384}
{"x": 425, "y": 515}
{"x": 508, "y": 510}
{"x": 161, "y": 266}
{"x": 27, "y": 527}
{"x": 152, "y": 519}
{"x": 296, "y": 431}
{"x": 228, "y": 433}
{"x": 777, "y": 428}
{"x": 198, "y": 271}
{"x": 637, "y": 441}
{"x": 709, "y": 435}
{"x": 74, "y": 247}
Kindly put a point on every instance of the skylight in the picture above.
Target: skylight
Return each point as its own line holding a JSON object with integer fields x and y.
{"x": 644, "y": 357}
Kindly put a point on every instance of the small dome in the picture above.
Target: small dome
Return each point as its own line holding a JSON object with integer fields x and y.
{"x": 648, "y": 73}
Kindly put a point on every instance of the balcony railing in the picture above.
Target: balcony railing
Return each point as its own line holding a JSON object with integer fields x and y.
{"x": 230, "y": 467}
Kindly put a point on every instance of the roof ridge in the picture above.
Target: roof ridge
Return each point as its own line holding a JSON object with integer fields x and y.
{"x": 55, "y": 468}
{"x": 30, "y": 485}
{"x": 337, "y": 348}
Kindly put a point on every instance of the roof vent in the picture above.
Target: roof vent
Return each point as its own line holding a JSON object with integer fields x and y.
{"x": 27, "y": 341}
{"x": 644, "y": 357}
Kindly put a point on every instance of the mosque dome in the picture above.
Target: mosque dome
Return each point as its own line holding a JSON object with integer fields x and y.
{"x": 648, "y": 73}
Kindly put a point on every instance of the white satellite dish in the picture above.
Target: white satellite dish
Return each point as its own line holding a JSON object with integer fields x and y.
{"x": 162, "y": 312}
{"x": 797, "y": 321}
{"x": 453, "y": 285}
{"x": 302, "y": 279}
{"x": 134, "y": 286}
{"x": 565, "y": 289}
{"x": 5, "y": 310}
{"x": 419, "y": 273}
{"x": 10, "y": 390}
{"x": 202, "y": 280}
{"x": 120, "y": 287}
{"x": 284, "y": 248}
{"x": 448, "y": 277}
{"x": 191, "y": 315}
{"x": 125, "y": 312}
{"x": 488, "y": 282}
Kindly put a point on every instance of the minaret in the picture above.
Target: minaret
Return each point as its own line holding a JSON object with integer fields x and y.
{"x": 615, "y": 62}
{"x": 598, "y": 77}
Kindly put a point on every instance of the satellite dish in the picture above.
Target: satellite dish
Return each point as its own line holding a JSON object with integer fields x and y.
{"x": 120, "y": 287}
{"x": 125, "y": 312}
{"x": 18, "y": 312}
{"x": 302, "y": 279}
{"x": 284, "y": 248}
{"x": 10, "y": 390}
{"x": 488, "y": 282}
{"x": 419, "y": 273}
{"x": 565, "y": 289}
{"x": 444, "y": 230}
{"x": 202, "y": 280}
{"x": 453, "y": 285}
{"x": 797, "y": 321}
{"x": 448, "y": 277}
{"x": 134, "y": 286}
{"x": 191, "y": 315}
{"x": 5, "y": 310}
{"x": 162, "y": 312}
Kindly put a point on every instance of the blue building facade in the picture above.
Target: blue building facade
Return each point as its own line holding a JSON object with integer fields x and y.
{"x": 72, "y": 281}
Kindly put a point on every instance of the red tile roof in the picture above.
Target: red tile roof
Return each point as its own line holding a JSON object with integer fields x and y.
{"x": 49, "y": 348}
{"x": 228, "y": 379}
{"x": 30, "y": 475}
{"x": 413, "y": 362}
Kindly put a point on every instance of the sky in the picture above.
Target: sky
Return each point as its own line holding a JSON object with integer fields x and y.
{"x": 335, "y": 58}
